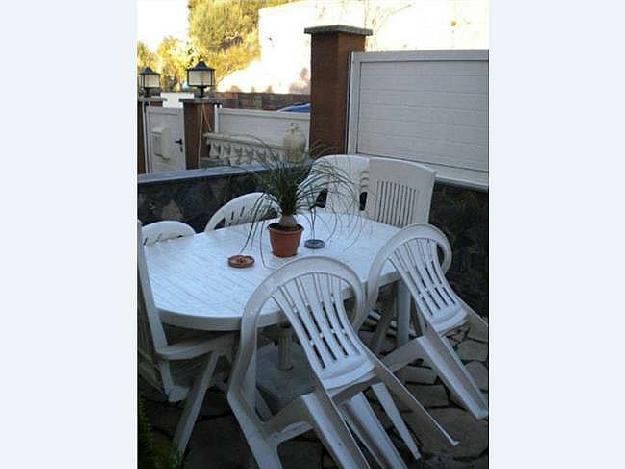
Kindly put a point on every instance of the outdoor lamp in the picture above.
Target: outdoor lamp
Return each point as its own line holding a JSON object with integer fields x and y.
{"x": 201, "y": 76}
{"x": 149, "y": 79}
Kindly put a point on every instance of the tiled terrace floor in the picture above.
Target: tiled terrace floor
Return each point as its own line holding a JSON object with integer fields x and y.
{"x": 217, "y": 441}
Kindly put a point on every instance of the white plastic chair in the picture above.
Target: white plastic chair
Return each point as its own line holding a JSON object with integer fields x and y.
{"x": 160, "y": 232}
{"x": 165, "y": 230}
{"x": 414, "y": 254}
{"x": 240, "y": 210}
{"x": 183, "y": 370}
{"x": 356, "y": 167}
{"x": 310, "y": 293}
{"x": 399, "y": 192}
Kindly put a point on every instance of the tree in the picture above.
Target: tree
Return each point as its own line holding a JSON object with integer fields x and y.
{"x": 173, "y": 60}
{"x": 145, "y": 57}
{"x": 224, "y": 33}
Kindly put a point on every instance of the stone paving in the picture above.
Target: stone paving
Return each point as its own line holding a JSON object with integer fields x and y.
{"x": 217, "y": 441}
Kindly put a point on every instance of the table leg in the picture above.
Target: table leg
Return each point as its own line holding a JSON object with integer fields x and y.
{"x": 403, "y": 319}
{"x": 403, "y": 313}
{"x": 284, "y": 345}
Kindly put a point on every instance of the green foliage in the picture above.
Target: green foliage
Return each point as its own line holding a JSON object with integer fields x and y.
{"x": 174, "y": 60}
{"x": 145, "y": 451}
{"x": 295, "y": 188}
{"x": 224, "y": 33}
{"x": 171, "y": 60}
{"x": 149, "y": 456}
{"x": 145, "y": 57}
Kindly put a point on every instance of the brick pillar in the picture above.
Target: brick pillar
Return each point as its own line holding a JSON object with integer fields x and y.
{"x": 140, "y": 136}
{"x": 329, "y": 82}
{"x": 199, "y": 118}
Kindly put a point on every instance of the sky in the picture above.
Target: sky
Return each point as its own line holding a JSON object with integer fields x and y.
{"x": 159, "y": 18}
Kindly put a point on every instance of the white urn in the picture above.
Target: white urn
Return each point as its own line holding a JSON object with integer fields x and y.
{"x": 294, "y": 143}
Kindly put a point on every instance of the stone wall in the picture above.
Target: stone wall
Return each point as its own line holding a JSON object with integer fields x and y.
{"x": 190, "y": 196}
{"x": 194, "y": 196}
{"x": 462, "y": 214}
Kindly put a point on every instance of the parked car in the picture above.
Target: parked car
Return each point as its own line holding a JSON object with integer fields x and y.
{"x": 297, "y": 107}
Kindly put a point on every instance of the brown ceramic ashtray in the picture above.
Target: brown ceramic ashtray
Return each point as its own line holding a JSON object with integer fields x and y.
{"x": 240, "y": 261}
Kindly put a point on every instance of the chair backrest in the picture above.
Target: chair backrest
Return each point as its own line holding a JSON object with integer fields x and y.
{"x": 151, "y": 334}
{"x": 244, "y": 209}
{"x": 399, "y": 192}
{"x": 310, "y": 291}
{"x": 414, "y": 254}
{"x": 356, "y": 167}
{"x": 165, "y": 230}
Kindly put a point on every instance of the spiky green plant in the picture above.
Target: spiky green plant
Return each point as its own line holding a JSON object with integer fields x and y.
{"x": 294, "y": 188}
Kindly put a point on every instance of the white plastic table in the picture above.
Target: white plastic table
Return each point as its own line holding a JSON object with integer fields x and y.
{"x": 194, "y": 287}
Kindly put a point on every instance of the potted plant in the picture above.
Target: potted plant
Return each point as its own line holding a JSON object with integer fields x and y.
{"x": 294, "y": 188}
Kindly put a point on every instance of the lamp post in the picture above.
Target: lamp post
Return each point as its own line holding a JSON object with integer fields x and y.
{"x": 149, "y": 79}
{"x": 201, "y": 76}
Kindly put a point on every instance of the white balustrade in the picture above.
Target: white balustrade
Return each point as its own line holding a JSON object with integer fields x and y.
{"x": 243, "y": 135}
{"x": 236, "y": 149}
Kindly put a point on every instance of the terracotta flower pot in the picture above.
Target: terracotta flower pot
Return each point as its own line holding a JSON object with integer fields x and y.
{"x": 284, "y": 242}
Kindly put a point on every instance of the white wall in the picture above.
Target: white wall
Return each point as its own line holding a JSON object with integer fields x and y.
{"x": 269, "y": 126}
{"x": 397, "y": 25}
{"x": 172, "y": 99}
{"x": 284, "y": 64}
{"x": 425, "y": 106}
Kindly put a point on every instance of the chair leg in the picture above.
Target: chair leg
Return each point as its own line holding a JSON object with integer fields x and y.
{"x": 333, "y": 431}
{"x": 264, "y": 454}
{"x": 437, "y": 352}
{"x": 444, "y": 361}
{"x": 193, "y": 404}
{"x": 363, "y": 421}
{"x": 261, "y": 405}
{"x": 263, "y": 449}
{"x": 404, "y": 355}
{"x": 423, "y": 420}
{"x": 392, "y": 412}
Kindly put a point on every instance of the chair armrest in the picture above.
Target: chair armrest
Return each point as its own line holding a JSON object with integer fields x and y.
{"x": 194, "y": 348}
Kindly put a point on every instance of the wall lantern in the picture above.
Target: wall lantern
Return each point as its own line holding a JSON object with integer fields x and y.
{"x": 201, "y": 76}
{"x": 148, "y": 80}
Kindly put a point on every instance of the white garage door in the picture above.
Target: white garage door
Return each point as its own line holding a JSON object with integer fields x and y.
{"x": 426, "y": 106}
